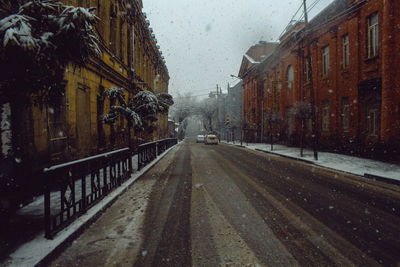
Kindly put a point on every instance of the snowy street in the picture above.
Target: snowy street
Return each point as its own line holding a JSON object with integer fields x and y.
{"x": 229, "y": 206}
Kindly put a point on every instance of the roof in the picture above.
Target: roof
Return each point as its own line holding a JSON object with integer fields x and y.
{"x": 330, "y": 12}
{"x": 252, "y": 61}
{"x": 255, "y": 54}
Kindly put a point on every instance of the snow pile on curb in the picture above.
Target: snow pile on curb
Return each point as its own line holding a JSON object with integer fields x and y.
{"x": 350, "y": 164}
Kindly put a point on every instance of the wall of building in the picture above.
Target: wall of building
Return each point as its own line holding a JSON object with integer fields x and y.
{"x": 364, "y": 85}
{"x": 131, "y": 62}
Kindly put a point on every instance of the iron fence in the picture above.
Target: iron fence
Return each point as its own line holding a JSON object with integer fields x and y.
{"x": 165, "y": 144}
{"x": 149, "y": 151}
{"x": 146, "y": 153}
{"x": 72, "y": 188}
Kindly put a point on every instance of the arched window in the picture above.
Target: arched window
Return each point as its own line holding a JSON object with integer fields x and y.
{"x": 290, "y": 77}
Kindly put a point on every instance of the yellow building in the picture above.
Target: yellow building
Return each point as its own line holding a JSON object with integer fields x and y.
{"x": 131, "y": 59}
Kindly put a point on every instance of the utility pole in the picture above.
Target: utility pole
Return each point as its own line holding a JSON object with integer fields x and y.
{"x": 262, "y": 111}
{"x": 218, "y": 124}
{"x": 310, "y": 76}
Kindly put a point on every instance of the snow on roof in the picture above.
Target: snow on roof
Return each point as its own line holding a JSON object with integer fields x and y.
{"x": 252, "y": 61}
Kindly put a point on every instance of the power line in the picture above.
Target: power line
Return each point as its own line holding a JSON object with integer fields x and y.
{"x": 290, "y": 21}
{"x": 344, "y": 12}
{"x": 301, "y": 17}
{"x": 316, "y": 2}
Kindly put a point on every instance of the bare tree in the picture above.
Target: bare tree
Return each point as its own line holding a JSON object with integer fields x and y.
{"x": 207, "y": 109}
{"x": 301, "y": 111}
{"x": 183, "y": 108}
{"x": 273, "y": 119}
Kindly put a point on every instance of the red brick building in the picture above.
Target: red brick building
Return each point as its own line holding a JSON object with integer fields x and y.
{"x": 355, "y": 52}
{"x": 252, "y": 93}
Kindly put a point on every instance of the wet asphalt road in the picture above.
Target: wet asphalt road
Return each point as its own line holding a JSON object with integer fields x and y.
{"x": 228, "y": 206}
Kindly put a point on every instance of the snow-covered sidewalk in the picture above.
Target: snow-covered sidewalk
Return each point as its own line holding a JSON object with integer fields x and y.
{"x": 350, "y": 164}
{"x": 34, "y": 251}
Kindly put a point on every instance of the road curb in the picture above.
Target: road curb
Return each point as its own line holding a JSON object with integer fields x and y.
{"x": 381, "y": 179}
{"x": 51, "y": 248}
{"x": 285, "y": 156}
{"x": 366, "y": 175}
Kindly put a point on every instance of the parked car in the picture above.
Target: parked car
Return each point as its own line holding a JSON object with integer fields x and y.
{"x": 211, "y": 140}
{"x": 200, "y": 138}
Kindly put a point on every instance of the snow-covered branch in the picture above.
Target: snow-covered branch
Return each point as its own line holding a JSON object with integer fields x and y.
{"x": 143, "y": 107}
{"x": 39, "y": 38}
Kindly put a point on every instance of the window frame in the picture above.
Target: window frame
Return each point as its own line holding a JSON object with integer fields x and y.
{"x": 325, "y": 116}
{"x": 279, "y": 87}
{"x": 325, "y": 61}
{"x": 372, "y": 122}
{"x": 306, "y": 68}
{"x": 345, "y": 51}
{"x": 113, "y": 28}
{"x": 290, "y": 82}
{"x": 372, "y": 35}
{"x": 265, "y": 87}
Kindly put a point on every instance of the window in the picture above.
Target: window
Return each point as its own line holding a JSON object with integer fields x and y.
{"x": 290, "y": 77}
{"x": 325, "y": 60}
{"x": 372, "y": 121}
{"x": 275, "y": 94}
{"x": 121, "y": 40}
{"x": 113, "y": 26}
{"x": 307, "y": 69}
{"x": 57, "y": 125}
{"x": 325, "y": 116}
{"x": 373, "y": 35}
{"x": 345, "y": 114}
{"x": 345, "y": 59}
{"x": 133, "y": 47}
{"x": 254, "y": 88}
{"x": 265, "y": 87}
{"x": 279, "y": 82}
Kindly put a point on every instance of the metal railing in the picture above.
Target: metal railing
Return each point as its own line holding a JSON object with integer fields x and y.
{"x": 74, "y": 187}
{"x": 149, "y": 151}
{"x": 165, "y": 144}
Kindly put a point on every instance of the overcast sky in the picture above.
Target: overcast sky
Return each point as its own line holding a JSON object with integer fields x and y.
{"x": 203, "y": 41}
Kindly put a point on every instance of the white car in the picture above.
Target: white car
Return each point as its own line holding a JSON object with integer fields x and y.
{"x": 200, "y": 138}
{"x": 211, "y": 140}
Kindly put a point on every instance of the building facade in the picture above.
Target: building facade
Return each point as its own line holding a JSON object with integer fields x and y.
{"x": 354, "y": 49}
{"x": 130, "y": 59}
{"x": 72, "y": 127}
{"x": 252, "y": 88}
{"x": 234, "y": 111}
